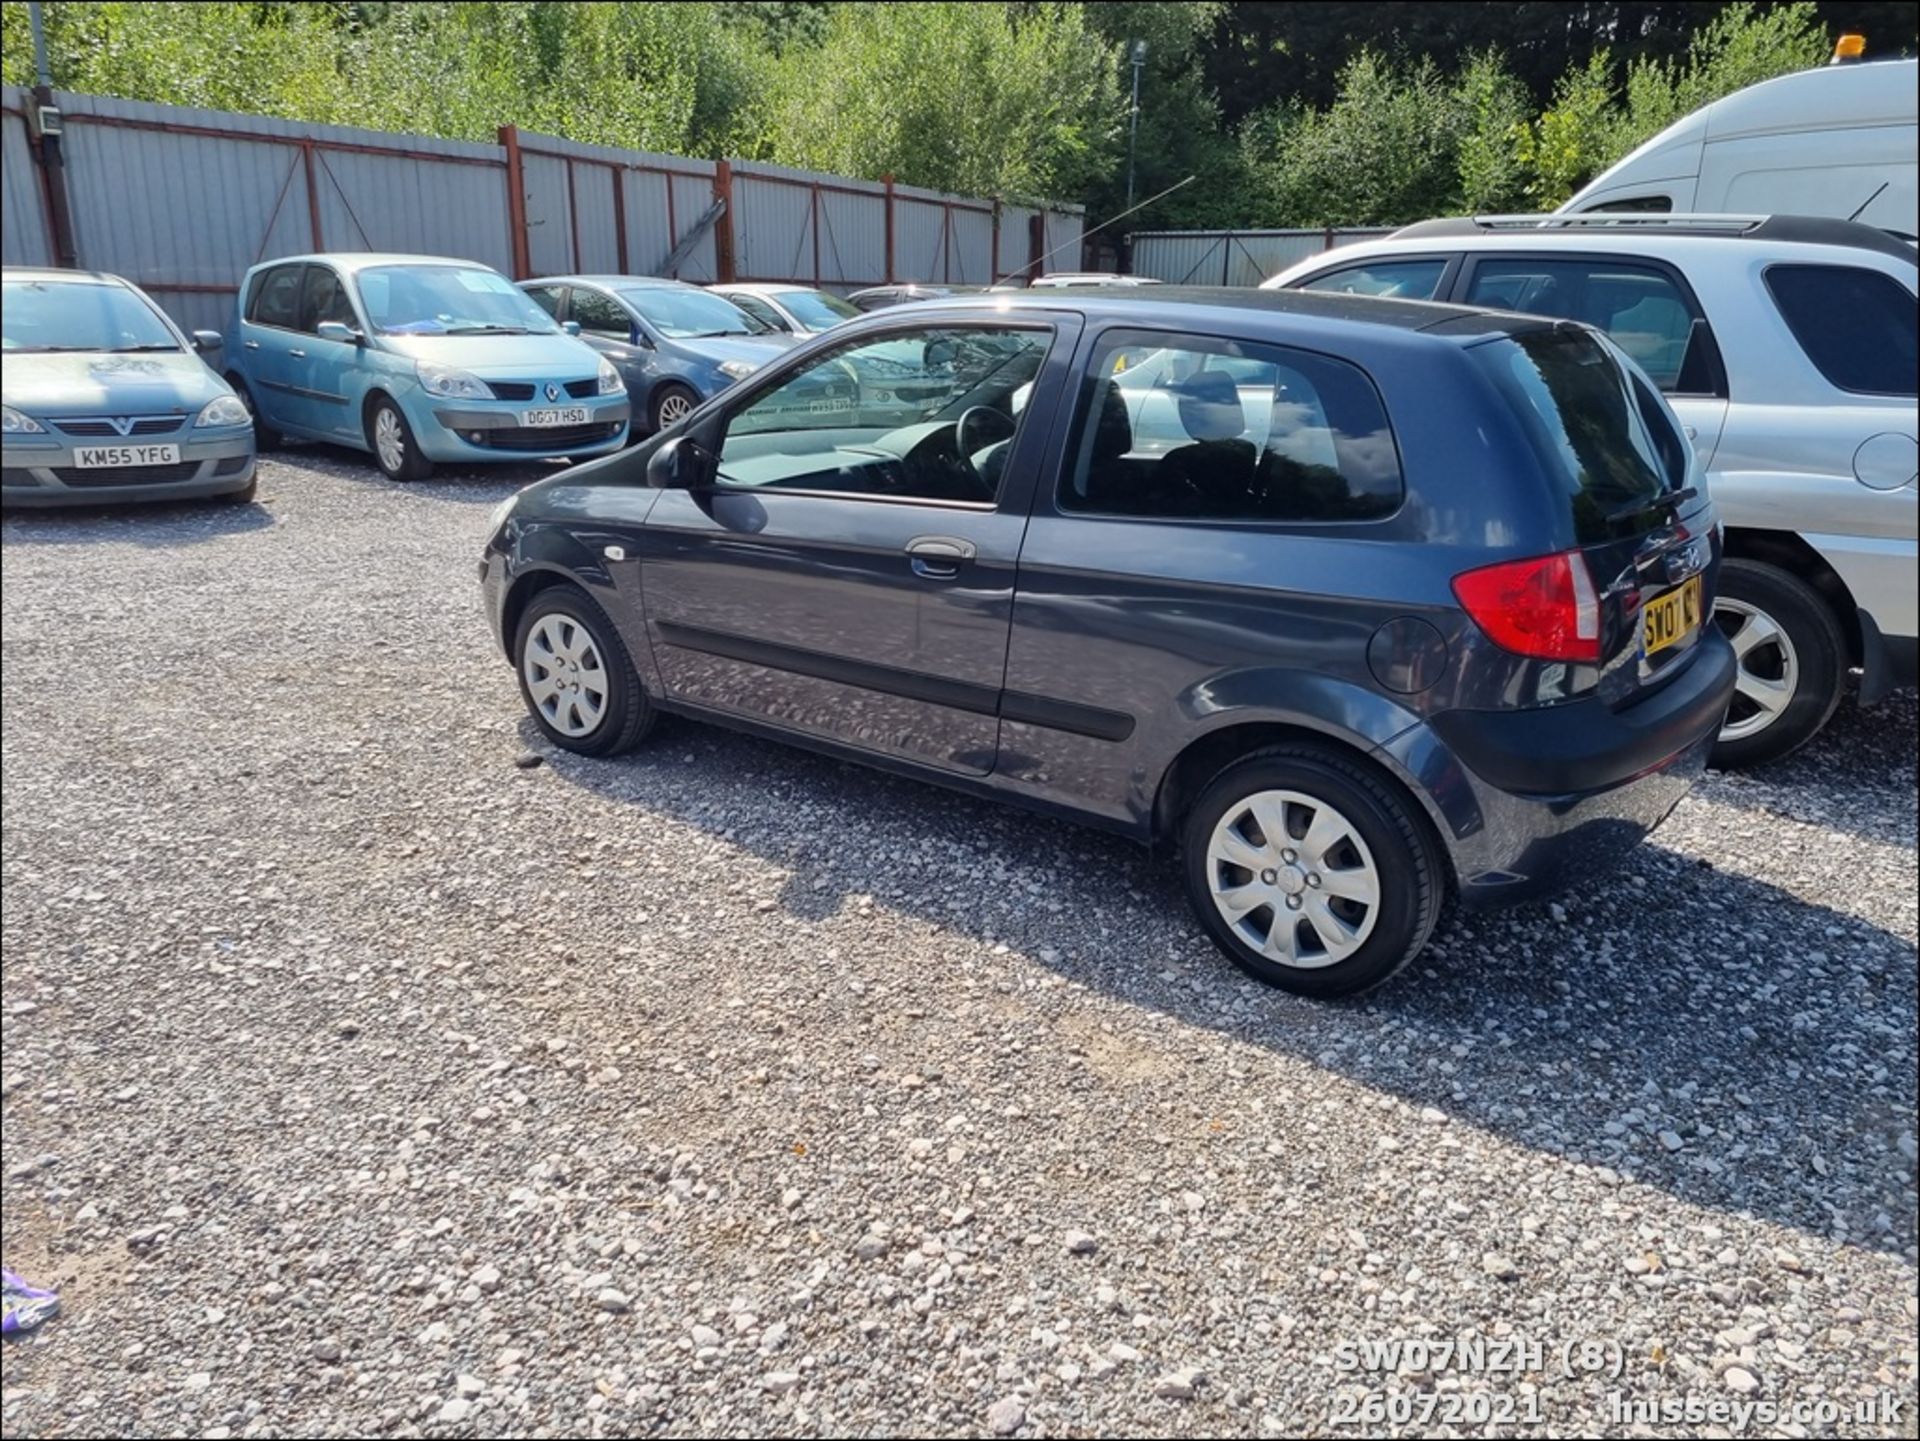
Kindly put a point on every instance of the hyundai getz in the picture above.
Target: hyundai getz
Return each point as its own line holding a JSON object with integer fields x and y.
{"x": 1354, "y": 603}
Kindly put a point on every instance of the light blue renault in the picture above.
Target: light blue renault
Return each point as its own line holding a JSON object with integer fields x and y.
{"x": 418, "y": 360}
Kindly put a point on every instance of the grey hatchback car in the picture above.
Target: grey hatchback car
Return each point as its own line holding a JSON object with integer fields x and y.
{"x": 1354, "y": 603}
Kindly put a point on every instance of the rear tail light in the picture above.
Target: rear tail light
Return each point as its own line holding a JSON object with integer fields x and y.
{"x": 1545, "y": 608}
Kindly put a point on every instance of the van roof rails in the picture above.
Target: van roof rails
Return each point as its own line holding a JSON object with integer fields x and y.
{"x": 1787, "y": 229}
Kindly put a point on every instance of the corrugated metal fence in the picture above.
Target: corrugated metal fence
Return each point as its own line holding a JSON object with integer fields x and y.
{"x": 182, "y": 201}
{"x": 1232, "y": 257}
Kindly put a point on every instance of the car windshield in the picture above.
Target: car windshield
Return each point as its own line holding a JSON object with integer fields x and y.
{"x": 448, "y": 300}
{"x": 43, "y": 316}
{"x": 687, "y": 314}
{"x": 816, "y": 309}
{"x": 1592, "y": 425}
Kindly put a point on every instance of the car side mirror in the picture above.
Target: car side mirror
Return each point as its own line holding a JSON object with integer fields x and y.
{"x": 335, "y": 331}
{"x": 681, "y": 463}
{"x": 572, "y": 327}
{"x": 207, "y": 341}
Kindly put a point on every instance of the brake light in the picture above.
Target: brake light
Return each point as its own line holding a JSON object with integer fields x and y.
{"x": 1545, "y": 608}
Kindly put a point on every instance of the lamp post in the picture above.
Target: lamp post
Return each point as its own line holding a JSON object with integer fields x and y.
{"x": 1137, "y": 57}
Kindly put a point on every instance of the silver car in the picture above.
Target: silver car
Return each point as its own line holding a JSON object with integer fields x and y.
{"x": 106, "y": 399}
{"x": 1786, "y": 346}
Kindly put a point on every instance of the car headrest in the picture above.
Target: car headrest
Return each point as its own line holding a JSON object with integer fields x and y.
{"x": 1113, "y": 432}
{"x": 1210, "y": 406}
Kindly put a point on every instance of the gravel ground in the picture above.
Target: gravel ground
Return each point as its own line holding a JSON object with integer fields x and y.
{"x": 357, "y": 1080}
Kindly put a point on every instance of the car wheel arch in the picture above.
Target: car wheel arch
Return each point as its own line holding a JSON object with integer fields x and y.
{"x": 1792, "y": 552}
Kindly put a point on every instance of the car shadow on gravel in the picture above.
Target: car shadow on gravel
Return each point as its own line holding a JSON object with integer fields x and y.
{"x": 457, "y": 484}
{"x": 164, "y": 526}
{"x": 1708, "y": 1034}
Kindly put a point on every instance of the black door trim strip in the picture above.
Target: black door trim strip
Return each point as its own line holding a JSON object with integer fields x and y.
{"x": 960, "y": 695}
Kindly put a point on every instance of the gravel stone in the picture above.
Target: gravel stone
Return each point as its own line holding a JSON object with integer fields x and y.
{"x": 1006, "y": 1416}
{"x": 275, "y": 897}
{"x": 1080, "y": 1243}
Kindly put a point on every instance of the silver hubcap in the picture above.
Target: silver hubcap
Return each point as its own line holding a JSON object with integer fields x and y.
{"x": 674, "y": 409}
{"x": 1769, "y": 668}
{"x": 564, "y": 675}
{"x": 389, "y": 440}
{"x": 1292, "y": 877}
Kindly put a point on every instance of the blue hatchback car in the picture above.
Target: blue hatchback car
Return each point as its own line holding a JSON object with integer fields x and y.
{"x": 674, "y": 344}
{"x": 419, "y": 360}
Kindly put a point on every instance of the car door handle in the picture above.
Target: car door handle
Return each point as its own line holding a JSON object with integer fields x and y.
{"x": 297, "y": 354}
{"x": 938, "y": 557}
{"x": 251, "y": 344}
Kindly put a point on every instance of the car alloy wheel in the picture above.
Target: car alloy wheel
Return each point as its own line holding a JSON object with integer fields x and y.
{"x": 1292, "y": 878}
{"x": 1769, "y": 668}
{"x": 565, "y": 676}
{"x": 389, "y": 440}
{"x": 674, "y": 408}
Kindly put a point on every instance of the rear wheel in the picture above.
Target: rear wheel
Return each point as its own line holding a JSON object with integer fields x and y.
{"x": 265, "y": 437}
{"x": 394, "y": 449}
{"x": 670, "y": 405}
{"x": 1311, "y": 873}
{"x": 579, "y": 684}
{"x": 1792, "y": 659}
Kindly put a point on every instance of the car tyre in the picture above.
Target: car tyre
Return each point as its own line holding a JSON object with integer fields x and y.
{"x": 578, "y": 682}
{"x": 265, "y": 437}
{"x": 669, "y": 405}
{"x": 246, "y": 493}
{"x": 1792, "y": 657}
{"x": 390, "y": 438}
{"x": 1340, "y": 887}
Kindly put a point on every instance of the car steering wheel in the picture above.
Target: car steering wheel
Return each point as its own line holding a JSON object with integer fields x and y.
{"x": 967, "y": 438}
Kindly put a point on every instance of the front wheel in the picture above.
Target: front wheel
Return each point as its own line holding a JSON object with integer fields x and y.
{"x": 1311, "y": 873}
{"x": 391, "y": 439}
{"x": 265, "y": 437}
{"x": 1792, "y": 658}
{"x": 670, "y": 405}
{"x": 579, "y": 684}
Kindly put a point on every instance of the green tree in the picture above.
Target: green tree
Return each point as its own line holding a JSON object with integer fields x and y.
{"x": 1569, "y": 141}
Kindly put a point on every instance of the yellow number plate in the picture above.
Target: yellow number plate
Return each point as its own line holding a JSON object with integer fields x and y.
{"x": 1671, "y": 618}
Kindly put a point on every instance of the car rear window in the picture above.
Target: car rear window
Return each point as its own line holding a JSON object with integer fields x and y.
{"x": 1597, "y": 429}
{"x": 1857, "y": 326}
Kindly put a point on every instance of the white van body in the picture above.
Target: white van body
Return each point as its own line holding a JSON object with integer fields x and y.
{"x": 1821, "y": 142}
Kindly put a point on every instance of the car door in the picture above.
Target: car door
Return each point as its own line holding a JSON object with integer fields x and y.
{"x": 606, "y": 325}
{"x": 1644, "y": 305}
{"x": 848, "y": 577}
{"x": 322, "y": 373}
{"x": 269, "y": 333}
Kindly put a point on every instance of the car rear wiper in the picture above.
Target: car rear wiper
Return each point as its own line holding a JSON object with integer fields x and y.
{"x": 1673, "y": 499}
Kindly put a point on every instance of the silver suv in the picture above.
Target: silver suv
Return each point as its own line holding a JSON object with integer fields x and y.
{"x": 1786, "y": 345}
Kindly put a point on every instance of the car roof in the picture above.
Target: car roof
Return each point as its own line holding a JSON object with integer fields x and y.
{"x": 1582, "y": 229}
{"x": 67, "y": 277}
{"x": 355, "y": 260}
{"x": 610, "y": 282}
{"x": 1240, "y": 308}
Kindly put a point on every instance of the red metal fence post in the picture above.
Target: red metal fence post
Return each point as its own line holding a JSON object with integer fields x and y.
{"x": 620, "y": 220}
{"x": 49, "y": 152}
{"x": 573, "y": 217}
{"x": 516, "y": 204}
{"x": 889, "y": 221}
{"x": 815, "y": 216}
{"x": 313, "y": 199}
{"x": 723, "y": 224}
{"x": 1036, "y": 242}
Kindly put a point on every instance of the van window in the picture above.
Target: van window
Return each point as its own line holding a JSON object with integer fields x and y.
{"x": 1632, "y": 205}
{"x": 1591, "y": 425}
{"x": 1857, "y": 326}
{"x": 1196, "y": 428}
{"x": 1641, "y": 308}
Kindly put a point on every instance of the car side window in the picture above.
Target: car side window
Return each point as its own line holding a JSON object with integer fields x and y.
{"x": 601, "y": 315}
{"x": 929, "y": 414}
{"x": 1400, "y": 279}
{"x": 276, "y": 297}
{"x": 1228, "y": 431}
{"x": 548, "y": 298}
{"x": 1640, "y": 307}
{"x": 1857, "y": 326}
{"x": 323, "y": 298}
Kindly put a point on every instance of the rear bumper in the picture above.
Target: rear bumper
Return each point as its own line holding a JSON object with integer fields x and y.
{"x": 45, "y": 476}
{"x": 1534, "y": 799}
